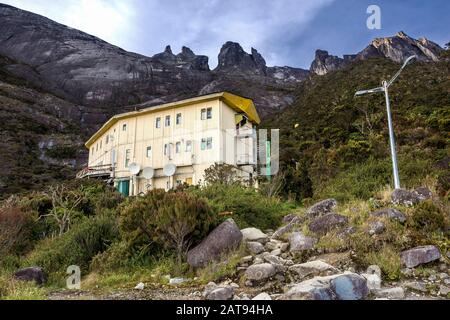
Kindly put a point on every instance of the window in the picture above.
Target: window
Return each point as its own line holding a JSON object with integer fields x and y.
{"x": 166, "y": 149}
{"x": 178, "y": 120}
{"x": 189, "y": 146}
{"x": 124, "y": 127}
{"x": 209, "y": 143}
{"x": 92, "y": 150}
{"x": 107, "y": 139}
{"x": 127, "y": 157}
{"x": 167, "y": 121}
{"x": 203, "y": 114}
{"x": 179, "y": 182}
{"x": 158, "y": 122}
{"x": 206, "y": 144}
{"x": 209, "y": 113}
{"x": 149, "y": 152}
{"x": 101, "y": 143}
{"x": 178, "y": 147}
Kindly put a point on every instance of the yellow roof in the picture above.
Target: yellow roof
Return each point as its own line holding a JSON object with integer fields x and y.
{"x": 238, "y": 103}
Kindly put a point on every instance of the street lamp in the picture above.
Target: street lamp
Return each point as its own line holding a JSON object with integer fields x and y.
{"x": 384, "y": 88}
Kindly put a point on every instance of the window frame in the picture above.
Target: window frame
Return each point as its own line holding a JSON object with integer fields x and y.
{"x": 208, "y": 113}
{"x": 178, "y": 147}
{"x": 124, "y": 127}
{"x": 178, "y": 119}
{"x": 188, "y": 144}
{"x": 127, "y": 157}
{"x": 158, "y": 123}
{"x": 167, "y": 121}
{"x": 149, "y": 151}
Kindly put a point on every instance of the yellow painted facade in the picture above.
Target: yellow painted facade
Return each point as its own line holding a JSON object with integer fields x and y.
{"x": 192, "y": 134}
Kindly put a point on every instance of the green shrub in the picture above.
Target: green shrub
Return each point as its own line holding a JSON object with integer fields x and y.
{"x": 172, "y": 220}
{"x": 76, "y": 247}
{"x": 427, "y": 217}
{"x": 249, "y": 208}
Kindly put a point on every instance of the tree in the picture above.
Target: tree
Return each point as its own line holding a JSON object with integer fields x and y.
{"x": 64, "y": 203}
{"x": 222, "y": 173}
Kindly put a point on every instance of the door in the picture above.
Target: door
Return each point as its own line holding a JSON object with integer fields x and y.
{"x": 124, "y": 187}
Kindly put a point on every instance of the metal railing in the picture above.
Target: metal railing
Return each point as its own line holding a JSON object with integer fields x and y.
{"x": 96, "y": 171}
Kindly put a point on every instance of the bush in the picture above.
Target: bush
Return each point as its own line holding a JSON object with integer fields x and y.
{"x": 427, "y": 217}
{"x": 170, "y": 220}
{"x": 15, "y": 230}
{"x": 76, "y": 247}
{"x": 249, "y": 208}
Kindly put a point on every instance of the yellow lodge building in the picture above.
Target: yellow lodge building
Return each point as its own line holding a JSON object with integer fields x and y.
{"x": 173, "y": 143}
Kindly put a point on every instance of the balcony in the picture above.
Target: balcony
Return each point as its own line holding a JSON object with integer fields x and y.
{"x": 103, "y": 171}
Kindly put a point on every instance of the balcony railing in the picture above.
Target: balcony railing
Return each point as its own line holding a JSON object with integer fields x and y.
{"x": 96, "y": 172}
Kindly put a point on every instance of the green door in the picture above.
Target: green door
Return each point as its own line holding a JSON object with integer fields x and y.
{"x": 124, "y": 187}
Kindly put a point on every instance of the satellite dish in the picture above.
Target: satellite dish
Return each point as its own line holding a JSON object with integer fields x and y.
{"x": 169, "y": 169}
{"x": 134, "y": 168}
{"x": 148, "y": 172}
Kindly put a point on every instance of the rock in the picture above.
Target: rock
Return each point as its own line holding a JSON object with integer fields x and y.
{"x": 391, "y": 214}
{"x": 259, "y": 272}
{"x": 374, "y": 269}
{"x": 220, "y": 293}
{"x": 376, "y": 227}
{"x": 300, "y": 242}
{"x": 314, "y": 268}
{"x": 31, "y": 274}
{"x": 233, "y": 58}
{"x": 341, "y": 286}
{"x": 405, "y": 197}
{"x": 390, "y": 293}
{"x": 140, "y": 286}
{"x": 276, "y": 252}
{"x": 262, "y": 296}
{"x": 272, "y": 245}
{"x": 419, "y": 255}
{"x": 285, "y": 229}
{"x": 258, "y": 260}
{"x": 222, "y": 239}
{"x": 255, "y": 247}
{"x": 284, "y": 247}
{"x": 288, "y": 218}
{"x": 246, "y": 259}
{"x": 443, "y": 290}
{"x": 177, "y": 280}
{"x": 416, "y": 286}
{"x": 423, "y": 192}
{"x": 317, "y": 288}
{"x": 349, "y": 287}
{"x": 275, "y": 260}
{"x": 321, "y": 208}
{"x": 253, "y": 234}
{"x": 373, "y": 281}
{"x": 325, "y": 223}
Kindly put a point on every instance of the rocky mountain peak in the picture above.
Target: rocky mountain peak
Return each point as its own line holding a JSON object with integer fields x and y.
{"x": 396, "y": 48}
{"x": 233, "y": 58}
{"x": 168, "y": 50}
{"x": 324, "y": 62}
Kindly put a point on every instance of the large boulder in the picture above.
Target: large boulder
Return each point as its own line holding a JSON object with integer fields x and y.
{"x": 349, "y": 287}
{"x": 405, "y": 197}
{"x": 419, "y": 255}
{"x": 222, "y": 239}
{"x": 300, "y": 242}
{"x": 344, "y": 286}
{"x": 321, "y": 208}
{"x": 325, "y": 223}
{"x": 260, "y": 272}
{"x": 423, "y": 192}
{"x": 31, "y": 274}
{"x": 254, "y": 234}
{"x": 391, "y": 213}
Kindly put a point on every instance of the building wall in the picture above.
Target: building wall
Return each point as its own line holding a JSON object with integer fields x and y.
{"x": 138, "y": 133}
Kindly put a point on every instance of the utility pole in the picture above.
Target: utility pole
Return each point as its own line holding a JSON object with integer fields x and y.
{"x": 384, "y": 88}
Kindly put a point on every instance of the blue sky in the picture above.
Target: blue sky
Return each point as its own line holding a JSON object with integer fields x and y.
{"x": 285, "y": 32}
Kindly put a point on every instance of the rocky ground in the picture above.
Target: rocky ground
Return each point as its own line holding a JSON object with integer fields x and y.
{"x": 285, "y": 264}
